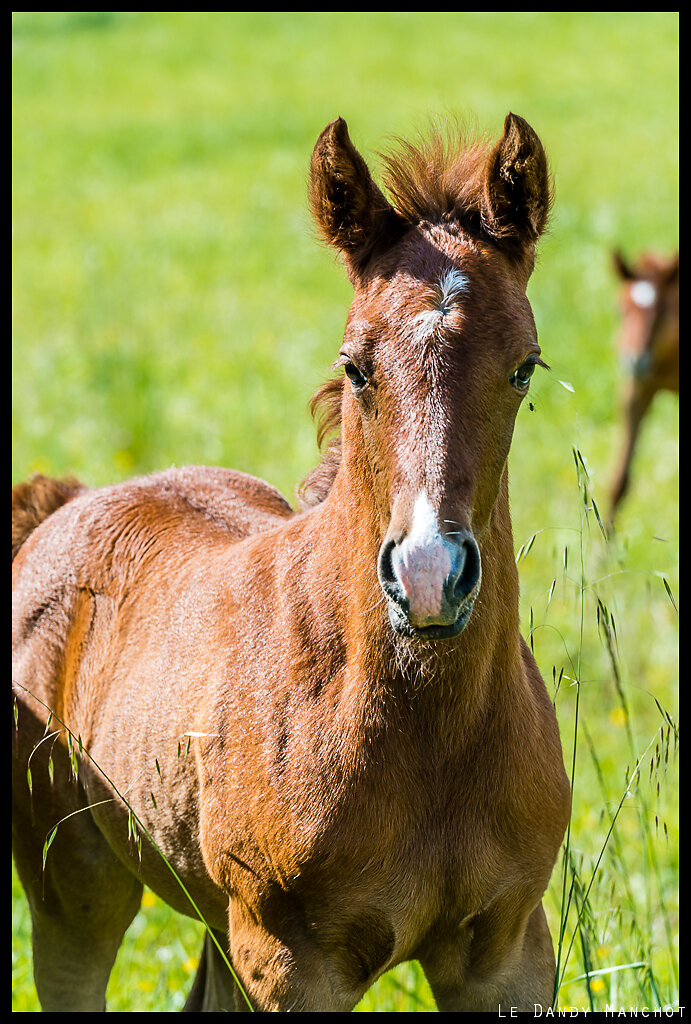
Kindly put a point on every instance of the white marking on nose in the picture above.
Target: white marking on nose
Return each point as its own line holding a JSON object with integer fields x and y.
{"x": 643, "y": 294}
{"x": 422, "y": 562}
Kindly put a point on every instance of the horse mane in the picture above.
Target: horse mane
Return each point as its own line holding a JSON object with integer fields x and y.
{"x": 437, "y": 180}
{"x": 325, "y": 407}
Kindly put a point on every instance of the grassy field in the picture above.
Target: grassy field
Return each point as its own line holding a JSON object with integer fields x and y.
{"x": 172, "y": 305}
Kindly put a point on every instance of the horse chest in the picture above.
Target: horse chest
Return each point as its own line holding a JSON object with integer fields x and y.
{"x": 366, "y": 894}
{"x": 347, "y": 844}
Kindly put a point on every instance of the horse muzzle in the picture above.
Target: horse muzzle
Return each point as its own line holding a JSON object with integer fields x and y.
{"x": 430, "y": 581}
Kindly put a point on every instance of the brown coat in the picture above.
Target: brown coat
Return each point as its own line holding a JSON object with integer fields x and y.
{"x": 326, "y": 720}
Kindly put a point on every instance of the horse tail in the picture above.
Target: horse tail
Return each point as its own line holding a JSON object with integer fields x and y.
{"x": 36, "y": 499}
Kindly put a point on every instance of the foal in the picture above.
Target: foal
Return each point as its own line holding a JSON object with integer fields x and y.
{"x": 325, "y": 720}
{"x": 648, "y": 346}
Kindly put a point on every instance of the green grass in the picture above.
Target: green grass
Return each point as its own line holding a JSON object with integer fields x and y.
{"x": 171, "y": 305}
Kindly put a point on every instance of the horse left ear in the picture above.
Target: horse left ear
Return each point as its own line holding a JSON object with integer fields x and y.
{"x": 621, "y": 267}
{"x": 517, "y": 190}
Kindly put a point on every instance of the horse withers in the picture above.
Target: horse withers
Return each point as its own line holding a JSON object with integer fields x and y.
{"x": 648, "y": 346}
{"x": 321, "y": 725}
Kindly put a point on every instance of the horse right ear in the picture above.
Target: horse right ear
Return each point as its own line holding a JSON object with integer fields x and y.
{"x": 351, "y": 211}
{"x": 517, "y": 191}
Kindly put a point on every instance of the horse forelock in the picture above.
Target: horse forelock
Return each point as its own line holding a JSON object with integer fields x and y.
{"x": 438, "y": 179}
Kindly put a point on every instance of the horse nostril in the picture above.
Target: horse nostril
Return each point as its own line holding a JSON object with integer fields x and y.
{"x": 385, "y": 569}
{"x": 468, "y": 573}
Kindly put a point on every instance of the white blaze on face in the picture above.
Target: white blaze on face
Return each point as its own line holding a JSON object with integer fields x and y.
{"x": 643, "y": 294}
{"x": 423, "y": 562}
{"x": 444, "y": 310}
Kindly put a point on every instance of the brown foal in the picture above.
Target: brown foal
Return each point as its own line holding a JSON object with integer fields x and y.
{"x": 324, "y": 719}
{"x": 648, "y": 346}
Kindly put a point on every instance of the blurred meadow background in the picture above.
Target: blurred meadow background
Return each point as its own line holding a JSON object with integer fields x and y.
{"x": 172, "y": 305}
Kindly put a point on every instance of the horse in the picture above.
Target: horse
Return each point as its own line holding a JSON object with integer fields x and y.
{"x": 317, "y": 726}
{"x": 648, "y": 346}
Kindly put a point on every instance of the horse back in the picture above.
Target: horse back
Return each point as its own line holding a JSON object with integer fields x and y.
{"x": 205, "y": 498}
{"x": 76, "y": 545}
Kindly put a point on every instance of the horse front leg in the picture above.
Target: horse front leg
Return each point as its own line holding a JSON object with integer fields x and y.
{"x": 636, "y": 404}
{"x": 492, "y": 967}
{"x": 81, "y": 897}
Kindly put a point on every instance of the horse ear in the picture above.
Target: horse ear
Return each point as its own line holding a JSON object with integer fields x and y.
{"x": 621, "y": 267}
{"x": 351, "y": 211}
{"x": 673, "y": 270}
{"x": 517, "y": 190}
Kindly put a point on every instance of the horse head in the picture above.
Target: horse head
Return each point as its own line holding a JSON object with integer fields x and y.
{"x": 439, "y": 348}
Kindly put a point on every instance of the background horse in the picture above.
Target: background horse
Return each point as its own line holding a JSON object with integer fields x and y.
{"x": 326, "y": 721}
{"x": 648, "y": 346}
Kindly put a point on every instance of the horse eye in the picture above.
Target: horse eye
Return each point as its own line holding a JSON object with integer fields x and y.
{"x": 357, "y": 379}
{"x": 520, "y": 379}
